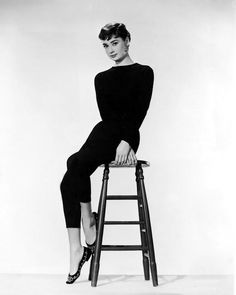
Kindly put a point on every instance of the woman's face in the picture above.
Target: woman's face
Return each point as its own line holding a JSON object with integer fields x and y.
{"x": 116, "y": 48}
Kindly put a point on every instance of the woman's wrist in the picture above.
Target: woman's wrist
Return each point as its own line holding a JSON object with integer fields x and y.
{"x": 124, "y": 142}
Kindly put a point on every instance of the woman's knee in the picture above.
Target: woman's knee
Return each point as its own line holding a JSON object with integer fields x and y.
{"x": 70, "y": 161}
{"x": 67, "y": 183}
{"x": 77, "y": 163}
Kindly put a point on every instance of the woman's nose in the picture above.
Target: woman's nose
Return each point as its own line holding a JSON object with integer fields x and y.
{"x": 110, "y": 50}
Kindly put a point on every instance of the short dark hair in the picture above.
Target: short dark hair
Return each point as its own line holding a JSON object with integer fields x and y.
{"x": 114, "y": 29}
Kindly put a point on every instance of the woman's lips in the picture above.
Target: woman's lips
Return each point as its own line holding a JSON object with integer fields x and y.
{"x": 113, "y": 55}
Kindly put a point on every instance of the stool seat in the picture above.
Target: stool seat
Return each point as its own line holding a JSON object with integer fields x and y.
{"x": 126, "y": 165}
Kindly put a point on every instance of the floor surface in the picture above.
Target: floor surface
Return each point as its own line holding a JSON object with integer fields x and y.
{"x": 41, "y": 284}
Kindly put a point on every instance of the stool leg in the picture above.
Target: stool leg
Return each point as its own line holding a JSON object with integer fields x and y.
{"x": 147, "y": 225}
{"x": 99, "y": 210}
{"x": 101, "y": 217}
{"x": 142, "y": 233}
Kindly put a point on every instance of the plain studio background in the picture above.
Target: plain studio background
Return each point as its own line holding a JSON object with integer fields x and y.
{"x": 49, "y": 54}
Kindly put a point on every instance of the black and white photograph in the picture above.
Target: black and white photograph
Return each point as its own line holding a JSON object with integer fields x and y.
{"x": 117, "y": 150}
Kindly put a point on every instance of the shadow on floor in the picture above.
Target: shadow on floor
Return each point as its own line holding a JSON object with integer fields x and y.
{"x": 109, "y": 279}
{"x": 162, "y": 280}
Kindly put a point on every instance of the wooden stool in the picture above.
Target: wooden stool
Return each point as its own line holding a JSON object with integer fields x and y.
{"x": 144, "y": 223}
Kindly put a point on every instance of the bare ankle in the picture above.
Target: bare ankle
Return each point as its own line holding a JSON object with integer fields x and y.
{"x": 88, "y": 221}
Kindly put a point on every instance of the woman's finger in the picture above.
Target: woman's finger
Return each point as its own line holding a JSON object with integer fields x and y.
{"x": 124, "y": 159}
{"x": 133, "y": 157}
{"x": 116, "y": 158}
{"x": 128, "y": 159}
{"x": 133, "y": 160}
{"x": 119, "y": 159}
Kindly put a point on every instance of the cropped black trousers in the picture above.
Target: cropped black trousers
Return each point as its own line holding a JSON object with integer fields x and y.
{"x": 99, "y": 148}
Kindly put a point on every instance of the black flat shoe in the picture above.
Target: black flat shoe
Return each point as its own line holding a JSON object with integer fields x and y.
{"x": 92, "y": 246}
{"x": 86, "y": 255}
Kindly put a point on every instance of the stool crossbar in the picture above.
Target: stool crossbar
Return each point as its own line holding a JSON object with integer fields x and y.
{"x": 147, "y": 248}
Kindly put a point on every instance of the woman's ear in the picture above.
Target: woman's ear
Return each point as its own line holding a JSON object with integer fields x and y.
{"x": 127, "y": 42}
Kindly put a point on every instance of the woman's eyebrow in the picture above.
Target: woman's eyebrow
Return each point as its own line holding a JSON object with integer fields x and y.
{"x": 115, "y": 40}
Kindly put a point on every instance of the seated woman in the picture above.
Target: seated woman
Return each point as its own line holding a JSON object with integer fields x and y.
{"x": 123, "y": 95}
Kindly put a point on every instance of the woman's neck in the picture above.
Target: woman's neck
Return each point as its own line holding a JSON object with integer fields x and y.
{"x": 125, "y": 62}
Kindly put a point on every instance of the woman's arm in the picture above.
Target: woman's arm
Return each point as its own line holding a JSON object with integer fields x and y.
{"x": 132, "y": 120}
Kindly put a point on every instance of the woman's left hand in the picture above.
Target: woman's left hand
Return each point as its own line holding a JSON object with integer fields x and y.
{"x": 132, "y": 159}
{"x": 122, "y": 152}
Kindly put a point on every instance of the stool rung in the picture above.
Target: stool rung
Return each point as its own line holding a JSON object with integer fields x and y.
{"x": 122, "y": 197}
{"x": 124, "y": 222}
{"x": 122, "y": 248}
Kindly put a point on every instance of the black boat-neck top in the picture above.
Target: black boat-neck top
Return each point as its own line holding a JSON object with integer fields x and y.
{"x": 123, "y": 96}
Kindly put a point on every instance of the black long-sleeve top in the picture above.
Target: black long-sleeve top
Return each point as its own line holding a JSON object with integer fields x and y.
{"x": 123, "y": 96}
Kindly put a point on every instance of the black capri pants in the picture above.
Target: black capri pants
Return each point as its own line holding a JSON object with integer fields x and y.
{"x": 99, "y": 148}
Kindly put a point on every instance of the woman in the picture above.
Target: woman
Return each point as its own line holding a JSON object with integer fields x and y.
{"x": 123, "y": 95}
